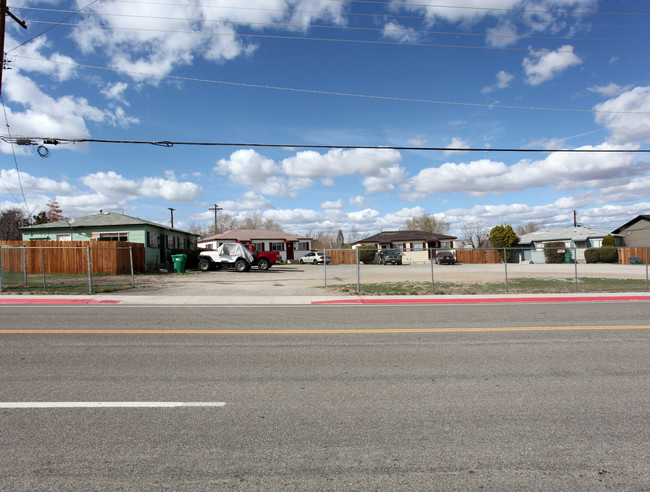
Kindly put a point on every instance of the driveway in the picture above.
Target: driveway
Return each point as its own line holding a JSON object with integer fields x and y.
{"x": 309, "y": 280}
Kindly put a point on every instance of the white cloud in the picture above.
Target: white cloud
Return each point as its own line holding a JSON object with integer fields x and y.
{"x": 111, "y": 184}
{"x": 332, "y": 204}
{"x": 545, "y": 65}
{"x": 456, "y": 143}
{"x": 115, "y": 91}
{"x": 502, "y": 35}
{"x": 417, "y": 141}
{"x": 400, "y": 33}
{"x": 337, "y": 162}
{"x": 32, "y": 184}
{"x": 247, "y": 167}
{"x": 503, "y": 80}
{"x": 610, "y": 89}
{"x": 562, "y": 171}
{"x": 623, "y": 116}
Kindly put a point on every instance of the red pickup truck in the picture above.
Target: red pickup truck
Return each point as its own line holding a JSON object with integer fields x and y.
{"x": 263, "y": 259}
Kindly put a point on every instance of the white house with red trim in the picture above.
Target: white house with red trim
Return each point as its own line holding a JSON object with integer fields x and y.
{"x": 290, "y": 246}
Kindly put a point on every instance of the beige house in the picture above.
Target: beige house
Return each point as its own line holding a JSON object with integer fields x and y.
{"x": 290, "y": 246}
{"x": 415, "y": 246}
{"x": 636, "y": 233}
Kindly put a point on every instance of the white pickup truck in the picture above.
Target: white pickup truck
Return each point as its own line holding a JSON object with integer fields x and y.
{"x": 227, "y": 255}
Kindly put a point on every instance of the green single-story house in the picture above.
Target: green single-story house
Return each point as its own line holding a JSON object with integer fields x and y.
{"x": 158, "y": 239}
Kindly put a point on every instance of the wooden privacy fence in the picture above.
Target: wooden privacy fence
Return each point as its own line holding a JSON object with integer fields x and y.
{"x": 624, "y": 254}
{"x": 110, "y": 257}
{"x": 349, "y": 256}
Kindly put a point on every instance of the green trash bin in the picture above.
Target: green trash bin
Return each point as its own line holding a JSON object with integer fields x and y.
{"x": 179, "y": 263}
{"x": 567, "y": 258}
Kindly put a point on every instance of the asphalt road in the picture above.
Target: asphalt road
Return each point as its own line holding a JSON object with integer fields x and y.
{"x": 564, "y": 407}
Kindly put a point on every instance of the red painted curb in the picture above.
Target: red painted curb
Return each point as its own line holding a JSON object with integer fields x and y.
{"x": 484, "y": 300}
{"x": 56, "y": 301}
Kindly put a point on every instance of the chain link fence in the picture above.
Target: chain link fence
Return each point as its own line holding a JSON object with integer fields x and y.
{"x": 65, "y": 269}
{"x": 484, "y": 271}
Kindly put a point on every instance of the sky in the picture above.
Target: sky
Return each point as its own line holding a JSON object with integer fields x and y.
{"x": 451, "y": 83}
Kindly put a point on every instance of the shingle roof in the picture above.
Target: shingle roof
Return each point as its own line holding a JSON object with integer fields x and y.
{"x": 253, "y": 235}
{"x": 563, "y": 233}
{"x": 397, "y": 236}
{"x": 107, "y": 219}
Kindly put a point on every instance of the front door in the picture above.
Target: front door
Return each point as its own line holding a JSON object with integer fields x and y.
{"x": 289, "y": 251}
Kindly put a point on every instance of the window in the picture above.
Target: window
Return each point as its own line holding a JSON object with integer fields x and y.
{"x": 418, "y": 246}
{"x": 152, "y": 240}
{"x": 445, "y": 244}
{"x": 113, "y": 236}
{"x": 170, "y": 242}
{"x": 277, "y": 246}
{"x": 64, "y": 237}
{"x": 259, "y": 246}
{"x": 302, "y": 246}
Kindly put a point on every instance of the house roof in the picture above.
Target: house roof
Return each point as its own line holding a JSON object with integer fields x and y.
{"x": 249, "y": 235}
{"x": 633, "y": 221}
{"x": 102, "y": 219}
{"x": 563, "y": 233}
{"x": 399, "y": 236}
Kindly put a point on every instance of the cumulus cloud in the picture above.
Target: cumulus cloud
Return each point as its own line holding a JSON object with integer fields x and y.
{"x": 545, "y": 65}
{"x": 624, "y": 115}
{"x": 561, "y": 171}
{"x": 337, "y": 162}
{"x": 157, "y": 45}
{"x": 113, "y": 184}
{"x": 502, "y": 35}
{"x": 609, "y": 90}
{"x": 332, "y": 204}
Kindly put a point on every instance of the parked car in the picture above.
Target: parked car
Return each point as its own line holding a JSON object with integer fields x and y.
{"x": 315, "y": 258}
{"x": 445, "y": 258}
{"x": 390, "y": 256}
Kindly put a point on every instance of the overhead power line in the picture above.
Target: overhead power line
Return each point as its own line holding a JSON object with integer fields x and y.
{"x": 314, "y": 26}
{"x": 335, "y": 40}
{"x": 169, "y": 143}
{"x": 333, "y": 93}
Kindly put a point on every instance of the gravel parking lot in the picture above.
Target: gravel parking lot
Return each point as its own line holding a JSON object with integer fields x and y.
{"x": 310, "y": 280}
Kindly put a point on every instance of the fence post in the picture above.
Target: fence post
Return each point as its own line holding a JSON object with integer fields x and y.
{"x": 325, "y": 265}
{"x": 25, "y": 264}
{"x": 43, "y": 268}
{"x": 433, "y": 285}
{"x": 358, "y": 274}
{"x": 646, "y": 268}
{"x": 131, "y": 260}
{"x": 90, "y": 275}
{"x": 505, "y": 264}
{"x": 1, "y": 266}
{"x": 575, "y": 265}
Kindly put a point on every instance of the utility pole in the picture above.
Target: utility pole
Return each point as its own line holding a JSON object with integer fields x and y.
{"x": 216, "y": 208}
{"x": 172, "y": 212}
{"x": 4, "y": 10}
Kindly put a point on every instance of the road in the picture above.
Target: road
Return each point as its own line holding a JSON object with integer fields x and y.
{"x": 553, "y": 403}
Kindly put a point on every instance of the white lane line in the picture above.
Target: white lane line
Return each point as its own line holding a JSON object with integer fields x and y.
{"x": 110, "y": 404}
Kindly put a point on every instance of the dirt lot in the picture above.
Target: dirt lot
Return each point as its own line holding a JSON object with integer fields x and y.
{"x": 297, "y": 280}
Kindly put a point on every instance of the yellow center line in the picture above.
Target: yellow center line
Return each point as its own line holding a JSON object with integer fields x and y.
{"x": 351, "y": 331}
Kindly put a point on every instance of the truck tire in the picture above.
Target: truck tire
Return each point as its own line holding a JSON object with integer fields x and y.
{"x": 205, "y": 265}
{"x": 242, "y": 265}
{"x": 264, "y": 264}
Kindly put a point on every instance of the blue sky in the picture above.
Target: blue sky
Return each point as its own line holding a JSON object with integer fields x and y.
{"x": 462, "y": 74}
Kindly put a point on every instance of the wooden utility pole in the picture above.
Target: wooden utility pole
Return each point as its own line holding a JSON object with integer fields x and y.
{"x": 216, "y": 208}
{"x": 4, "y": 10}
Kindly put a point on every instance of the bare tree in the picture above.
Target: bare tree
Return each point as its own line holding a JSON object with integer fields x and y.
{"x": 258, "y": 222}
{"x": 427, "y": 223}
{"x": 528, "y": 228}
{"x": 476, "y": 235}
{"x": 10, "y": 221}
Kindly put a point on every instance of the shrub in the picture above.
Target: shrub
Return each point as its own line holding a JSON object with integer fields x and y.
{"x": 608, "y": 255}
{"x": 592, "y": 255}
{"x": 608, "y": 241}
{"x": 504, "y": 237}
{"x": 367, "y": 253}
{"x": 551, "y": 252}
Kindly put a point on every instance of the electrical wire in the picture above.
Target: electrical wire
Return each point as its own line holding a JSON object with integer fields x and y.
{"x": 332, "y": 93}
{"x": 354, "y": 41}
{"x": 52, "y": 27}
{"x": 318, "y": 26}
{"x": 13, "y": 151}
{"x": 169, "y": 144}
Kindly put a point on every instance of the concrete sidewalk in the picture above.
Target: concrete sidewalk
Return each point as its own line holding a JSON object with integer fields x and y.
{"x": 179, "y": 300}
